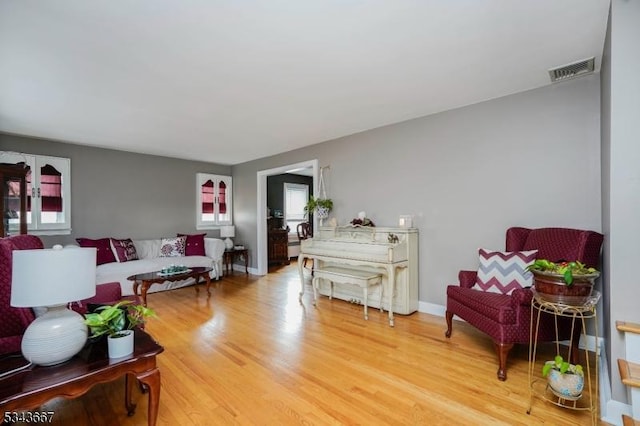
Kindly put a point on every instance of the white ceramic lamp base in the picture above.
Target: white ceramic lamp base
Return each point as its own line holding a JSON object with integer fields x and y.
{"x": 228, "y": 243}
{"x": 54, "y": 337}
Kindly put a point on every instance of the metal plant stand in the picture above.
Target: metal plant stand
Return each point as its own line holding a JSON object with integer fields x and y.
{"x": 538, "y": 387}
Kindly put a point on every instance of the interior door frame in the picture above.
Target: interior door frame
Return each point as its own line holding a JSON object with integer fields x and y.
{"x": 261, "y": 213}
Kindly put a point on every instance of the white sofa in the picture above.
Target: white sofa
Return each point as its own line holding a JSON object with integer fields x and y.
{"x": 150, "y": 260}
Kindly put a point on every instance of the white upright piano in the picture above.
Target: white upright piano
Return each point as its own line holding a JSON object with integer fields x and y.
{"x": 393, "y": 252}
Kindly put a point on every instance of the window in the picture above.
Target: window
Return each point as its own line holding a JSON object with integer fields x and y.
{"x": 295, "y": 198}
{"x": 48, "y": 193}
{"x": 214, "y": 201}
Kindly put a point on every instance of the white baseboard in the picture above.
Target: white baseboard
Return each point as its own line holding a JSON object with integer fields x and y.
{"x": 611, "y": 411}
{"x": 431, "y": 308}
{"x": 240, "y": 268}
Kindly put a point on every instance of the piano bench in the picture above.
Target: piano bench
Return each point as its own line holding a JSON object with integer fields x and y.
{"x": 334, "y": 274}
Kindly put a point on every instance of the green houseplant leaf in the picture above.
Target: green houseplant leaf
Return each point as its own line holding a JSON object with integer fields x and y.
{"x": 112, "y": 319}
{"x": 562, "y": 366}
{"x": 568, "y": 270}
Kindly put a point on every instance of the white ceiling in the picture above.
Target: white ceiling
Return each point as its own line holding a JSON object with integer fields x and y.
{"x": 231, "y": 81}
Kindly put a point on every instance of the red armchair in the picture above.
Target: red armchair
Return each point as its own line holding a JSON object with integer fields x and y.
{"x": 506, "y": 318}
{"x": 106, "y": 294}
{"x": 14, "y": 320}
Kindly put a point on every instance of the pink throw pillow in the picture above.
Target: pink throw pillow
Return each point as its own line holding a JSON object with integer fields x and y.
{"x": 124, "y": 250}
{"x": 104, "y": 254}
{"x": 194, "y": 245}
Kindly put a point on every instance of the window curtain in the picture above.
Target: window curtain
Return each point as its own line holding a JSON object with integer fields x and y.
{"x": 50, "y": 189}
{"x": 207, "y": 197}
{"x": 222, "y": 197}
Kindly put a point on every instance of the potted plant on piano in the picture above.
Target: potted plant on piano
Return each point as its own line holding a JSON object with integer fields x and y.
{"x": 117, "y": 323}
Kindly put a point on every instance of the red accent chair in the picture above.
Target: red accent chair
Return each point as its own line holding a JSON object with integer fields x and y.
{"x": 106, "y": 294}
{"x": 507, "y": 318}
{"x": 14, "y": 321}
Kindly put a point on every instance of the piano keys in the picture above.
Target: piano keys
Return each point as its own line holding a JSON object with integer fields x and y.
{"x": 390, "y": 251}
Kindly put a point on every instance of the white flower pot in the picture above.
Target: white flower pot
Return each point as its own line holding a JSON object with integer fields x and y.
{"x": 121, "y": 344}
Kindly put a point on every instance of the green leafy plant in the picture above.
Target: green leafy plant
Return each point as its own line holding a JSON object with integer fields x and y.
{"x": 112, "y": 319}
{"x": 567, "y": 269}
{"x": 314, "y": 203}
{"x": 562, "y": 366}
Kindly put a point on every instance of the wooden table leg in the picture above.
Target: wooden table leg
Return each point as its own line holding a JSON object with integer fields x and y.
{"x": 129, "y": 382}
{"x": 152, "y": 380}
{"x": 208, "y": 277}
{"x": 195, "y": 285}
{"x": 136, "y": 284}
{"x": 227, "y": 259}
{"x": 145, "y": 288}
{"x": 246, "y": 263}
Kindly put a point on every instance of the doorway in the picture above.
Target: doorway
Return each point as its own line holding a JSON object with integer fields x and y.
{"x": 261, "y": 215}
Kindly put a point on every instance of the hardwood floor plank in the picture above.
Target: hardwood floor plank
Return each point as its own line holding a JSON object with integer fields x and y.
{"x": 252, "y": 354}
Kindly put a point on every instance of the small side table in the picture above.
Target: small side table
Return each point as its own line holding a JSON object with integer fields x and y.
{"x": 230, "y": 255}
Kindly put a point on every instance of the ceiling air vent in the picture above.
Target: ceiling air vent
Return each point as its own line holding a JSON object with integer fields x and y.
{"x": 573, "y": 70}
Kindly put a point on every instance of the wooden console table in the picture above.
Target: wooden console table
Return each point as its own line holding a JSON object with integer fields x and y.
{"x": 29, "y": 388}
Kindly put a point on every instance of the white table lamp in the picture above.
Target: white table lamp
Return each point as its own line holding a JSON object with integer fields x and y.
{"x": 53, "y": 278}
{"x": 227, "y": 232}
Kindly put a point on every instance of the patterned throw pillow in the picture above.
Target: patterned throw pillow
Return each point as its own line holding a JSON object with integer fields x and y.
{"x": 194, "y": 245}
{"x": 503, "y": 272}
{"x": 104, "y": 253}
{"x": 172, "y": 247}
{"x": 124, "y": 250}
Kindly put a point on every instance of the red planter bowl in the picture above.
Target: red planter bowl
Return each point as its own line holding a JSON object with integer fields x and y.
{"x": 552, "y": 288}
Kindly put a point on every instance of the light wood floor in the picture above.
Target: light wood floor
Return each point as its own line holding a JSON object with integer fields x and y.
{"x": 252, "y": 354}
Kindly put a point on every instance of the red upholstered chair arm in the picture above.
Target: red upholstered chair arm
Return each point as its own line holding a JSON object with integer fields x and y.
{"x": 467, "y": 279}
{"x": 521, "y": 296}
{"x": 107, "y": 294}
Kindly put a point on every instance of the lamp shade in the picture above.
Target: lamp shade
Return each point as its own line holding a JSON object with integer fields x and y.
{"x": 52, "y": 277}
{"x": 227, "y": 231}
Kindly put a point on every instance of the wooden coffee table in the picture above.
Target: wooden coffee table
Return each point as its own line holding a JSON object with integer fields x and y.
{"x": 147, "y": 279}
{"x": 31, "y": 387}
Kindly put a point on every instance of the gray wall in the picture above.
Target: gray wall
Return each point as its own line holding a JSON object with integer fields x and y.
{"x": 120, "y": 194}
{"x": 530, "y": 159}
{"x": 605, "y": 136}
{"x": 621, "y": 176}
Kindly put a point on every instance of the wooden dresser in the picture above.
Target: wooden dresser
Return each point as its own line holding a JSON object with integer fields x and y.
{"x": 278, "y": 246}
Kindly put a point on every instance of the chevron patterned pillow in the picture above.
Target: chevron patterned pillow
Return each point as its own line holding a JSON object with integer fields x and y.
{"x": 503, "y": 272}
